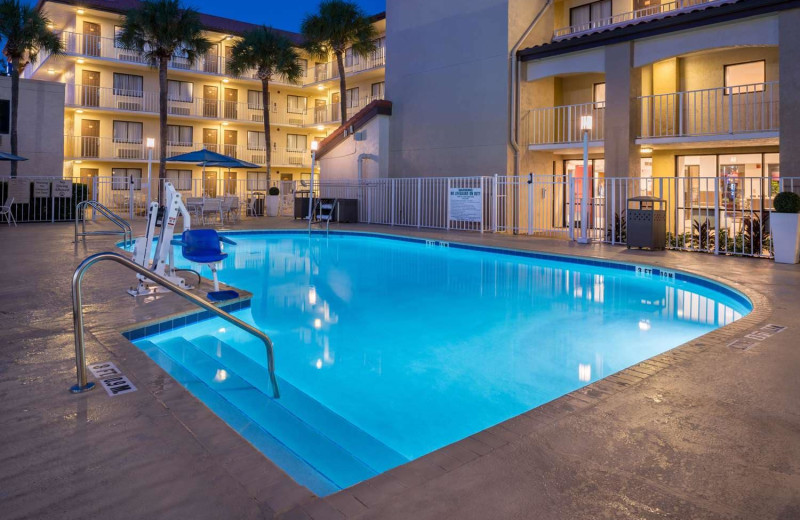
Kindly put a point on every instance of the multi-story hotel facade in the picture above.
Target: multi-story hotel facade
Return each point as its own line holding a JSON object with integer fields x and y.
{"x": 111, "y": 103}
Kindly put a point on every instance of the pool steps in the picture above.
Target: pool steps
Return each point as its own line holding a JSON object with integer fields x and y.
{"x": 298, "y": 425}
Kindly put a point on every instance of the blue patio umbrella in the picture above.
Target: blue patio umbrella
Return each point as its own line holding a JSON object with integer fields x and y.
{"x": 206, "y": 158}
{"x": 11, "y": 157}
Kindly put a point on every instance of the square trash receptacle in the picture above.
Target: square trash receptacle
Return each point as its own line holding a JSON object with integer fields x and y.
{"x": 647, "y": 222}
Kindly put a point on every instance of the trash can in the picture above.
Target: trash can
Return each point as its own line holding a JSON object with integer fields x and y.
{"x": 647, "y": 222}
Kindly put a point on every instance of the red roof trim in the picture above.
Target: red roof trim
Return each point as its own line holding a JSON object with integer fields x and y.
{"x": 379, "y": 107}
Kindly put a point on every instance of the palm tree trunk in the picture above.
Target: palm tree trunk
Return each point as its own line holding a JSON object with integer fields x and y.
{"x": 14, "y": 111}
{"x": 162, "y": 126}
{"x": 342, "y": 86}
{"x": 267, "y": 137}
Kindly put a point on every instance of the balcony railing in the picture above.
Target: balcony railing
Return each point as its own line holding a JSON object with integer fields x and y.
{"x": 332, "y": 113}
{"x": 85, "y": 96}
{"x": 330, "y": 70}
{"x": 562, "y": 124}
{"x": 716, "y": 111}
{"x": 639, "y": 15}
{"x": 107, "y": 148}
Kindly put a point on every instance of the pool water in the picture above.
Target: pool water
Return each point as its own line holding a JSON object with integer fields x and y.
{"x": 388, "y": 349}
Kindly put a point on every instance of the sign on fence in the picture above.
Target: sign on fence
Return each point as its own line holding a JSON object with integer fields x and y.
{"x": 62, "y": 189}
{"x": 466, "y": 204}
{"x": 19, "y": 190}
{"x": 41, "y": 189}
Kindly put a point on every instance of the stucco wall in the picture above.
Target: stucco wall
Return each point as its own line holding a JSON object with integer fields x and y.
{"x": 341, "y": 163}
{"x": 40, "y": 127}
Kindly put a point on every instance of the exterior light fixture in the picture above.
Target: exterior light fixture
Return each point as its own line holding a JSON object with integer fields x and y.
{"x": 586, "y": 123}
{"x": 226, "y": 80}
{"x": 320, "y": 87}
{"x": 51, "y": 71}
{"x": 320, "y": 127}
{"x": 647, "y": 150}
{"x": 78, "y": 162}
{"x": 79, "y": 111}
{"x": 151, "y": 143}
{"x": 224, "y": 123}
{"x": 314, "y": 146}
{"x": 50, "y": 26}
{"x": 81, "y": 60}
{"x": 81, "y": 11}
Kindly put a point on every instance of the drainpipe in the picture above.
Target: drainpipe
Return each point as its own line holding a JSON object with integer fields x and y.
{"x": 361, "y": 162}
{"x": 514, "y": 92}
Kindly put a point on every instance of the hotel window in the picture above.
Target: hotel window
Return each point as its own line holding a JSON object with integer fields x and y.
{"x": 591, "y": 15}
{"x": 296, "y": 142}
{"x": 296, "y": 104}
{"x": 256, "y": 140}
{"x": 351, "y": 58}
{"x": 5, "y": 116}
{"x": 127, "y": 85}
{"x": 180, "y": 135}
{"x": 351, "y": 97}
{"x": 303, "y": 66}
{"x": 127, "y": 132}
{"x": 254, "y": 99}
{"x": 256, "y": 181}
{"x": 120, "y": 178}
{"x": 376, "y": 91}
{"x": 745, "y": 77}
{"x": 599, "y": 94}
{"x": 180, "y": 90}
{"x": 181, "y": 179}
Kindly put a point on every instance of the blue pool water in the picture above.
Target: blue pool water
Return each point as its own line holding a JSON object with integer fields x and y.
{"x": 388, "y": 349}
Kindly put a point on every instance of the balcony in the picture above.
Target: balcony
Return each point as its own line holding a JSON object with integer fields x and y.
{"x": 632, "y": 17}
{"x": 109, "y": 149}
{"x": 106, "y": 98}
{"x": 725, "y": 111}
{"x": 332, "y": 114}
{"x": 330, "y": 70}
{"x": 553, "y": 127}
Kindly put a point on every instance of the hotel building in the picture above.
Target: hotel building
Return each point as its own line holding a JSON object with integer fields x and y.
{"x": 111, "y": 103}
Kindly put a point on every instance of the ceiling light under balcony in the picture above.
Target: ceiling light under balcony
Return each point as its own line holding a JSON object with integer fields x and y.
{"x": 320, "y": 87}
{"x": 50, "y": 26}
{"x": 79, "y": 111}
{"x": 81, "y": 60}
{"x": 647, "y": 150}
{"x": 226, "y": 80}
{"x": 320, "y": 127}
{"x": 81, "y": 11}
{"x": 224, "y": 123}
{"x": 51, "y": 71}
{"x": 78, "y": 162}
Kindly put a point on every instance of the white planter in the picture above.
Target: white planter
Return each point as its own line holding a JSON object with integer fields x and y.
{"x": 786, "y": 237}
{"x": 273, "y": 204}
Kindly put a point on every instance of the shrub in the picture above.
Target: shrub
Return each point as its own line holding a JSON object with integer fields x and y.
{"x": 274, "y": 191}
{"x": 787, "y": 202}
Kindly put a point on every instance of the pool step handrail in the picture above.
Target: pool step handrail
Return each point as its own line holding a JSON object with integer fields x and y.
{"x": 125, "y": 227}
{"x": 77, "y": 315}
{"x": 328, "y": 211}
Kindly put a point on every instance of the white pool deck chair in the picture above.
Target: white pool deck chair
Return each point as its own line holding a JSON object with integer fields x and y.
{"x": 5, "y": 211}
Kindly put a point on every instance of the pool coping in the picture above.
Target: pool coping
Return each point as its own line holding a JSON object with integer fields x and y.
{"x": 359, "y": 497}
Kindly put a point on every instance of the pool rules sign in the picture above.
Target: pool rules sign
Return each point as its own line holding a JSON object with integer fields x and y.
{"x": 466, "y": 204}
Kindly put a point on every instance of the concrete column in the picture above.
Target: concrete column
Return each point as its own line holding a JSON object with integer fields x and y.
{"x": 623, "y": 86}
{"x": 789, "y": 77}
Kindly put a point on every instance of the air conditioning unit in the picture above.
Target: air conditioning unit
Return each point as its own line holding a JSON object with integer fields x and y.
{"x": 179, "y": 111}
{"x": 135, "y": 58}
{"x": 129, "y": 105}
{"x": 258, "y": 118}
{"x": 296, "y": 160}
{"x": 296, "y": 121}
{"x": 260, "y": 159}
{"x": 129, "y": 153}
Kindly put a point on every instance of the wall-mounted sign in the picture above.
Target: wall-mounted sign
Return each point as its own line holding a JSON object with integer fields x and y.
{"x": 41, "y": 189}
{"x": 19, "y": 190}
{"x": 62, "y": 189}
{"x": 465, "y": 204}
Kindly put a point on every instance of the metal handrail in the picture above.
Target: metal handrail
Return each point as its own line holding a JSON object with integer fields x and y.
{"x": 127, "y": 232}
{"x": 77, "y": 315}
{"x": 328, "y": 220}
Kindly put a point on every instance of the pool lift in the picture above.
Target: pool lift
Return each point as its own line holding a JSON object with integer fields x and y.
{"x": 163, "y": 263}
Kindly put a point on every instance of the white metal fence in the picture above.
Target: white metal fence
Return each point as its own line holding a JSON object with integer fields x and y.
{"x": 42, "y": 199}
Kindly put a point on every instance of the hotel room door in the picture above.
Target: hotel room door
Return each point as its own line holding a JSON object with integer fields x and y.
{"x": 210, "y": 139}
{"x": 231, "y": 103}
{"x": 210, "y": 94}
{"x": 90, "y": 138}
{"x": 91, "y": 39}
{"x": 91, "y": 88}
{"x": 88, "y": 175}
{"x": 231, "y": 140}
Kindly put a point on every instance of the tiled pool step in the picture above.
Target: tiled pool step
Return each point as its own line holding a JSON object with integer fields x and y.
{"x": 314, "y": 435}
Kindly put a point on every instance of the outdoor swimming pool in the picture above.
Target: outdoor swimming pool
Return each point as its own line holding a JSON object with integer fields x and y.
{"x": 387, "y": 348}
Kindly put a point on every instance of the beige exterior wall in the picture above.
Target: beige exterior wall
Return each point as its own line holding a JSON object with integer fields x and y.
{"x": 341, "y": 162}
{"x": 39, "y": 127}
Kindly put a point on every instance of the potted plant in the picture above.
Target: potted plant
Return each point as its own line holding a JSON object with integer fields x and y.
{"x": 786, "y": 227}
{"x": 273, "y": 201}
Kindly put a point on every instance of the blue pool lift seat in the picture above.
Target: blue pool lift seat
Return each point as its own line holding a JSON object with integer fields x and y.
{"x": 204, "y": 246}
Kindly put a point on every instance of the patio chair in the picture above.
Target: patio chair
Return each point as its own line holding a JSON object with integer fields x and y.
{"x": 230, "y": 207}
{"x": 211, "y": 206}
{"x": 5, "y": 211}
{"x": 203, "y": 246}
{"x": 195, "y": 206}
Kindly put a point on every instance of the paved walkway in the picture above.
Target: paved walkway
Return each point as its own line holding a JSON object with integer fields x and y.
{"x": 703, "y": 431}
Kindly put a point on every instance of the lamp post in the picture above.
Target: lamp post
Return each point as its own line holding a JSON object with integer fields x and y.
{"x": 151, "y": 143}
{"x": 586, "y": 127}
{"x": 314, "y": 146}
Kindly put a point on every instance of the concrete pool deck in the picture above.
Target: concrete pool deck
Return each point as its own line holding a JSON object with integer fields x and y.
{"x": 702, "y": 431}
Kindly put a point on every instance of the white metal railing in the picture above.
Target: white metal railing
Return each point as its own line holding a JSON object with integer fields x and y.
{"x": 42, "y": 198}
{"x": 107, "y": 148}
{"x": 646, "y": 13}
{"x": 562, "y": 124}
{"x": 715, "y": 111}
{"x": 330, "y": 70}
{"x": 86, "y": 96}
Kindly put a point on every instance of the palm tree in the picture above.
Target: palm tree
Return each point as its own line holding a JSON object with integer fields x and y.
{"x": 161, "y": 30}
{"x": 26, "y": 32}
{"x": 270, "y": 54}
{"x": 337, "y": 25}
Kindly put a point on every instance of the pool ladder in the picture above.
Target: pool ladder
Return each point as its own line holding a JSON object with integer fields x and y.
{"x": 323, "y": 212}
{"x": 80, "y": 216}
{"x": 77, "y": 315}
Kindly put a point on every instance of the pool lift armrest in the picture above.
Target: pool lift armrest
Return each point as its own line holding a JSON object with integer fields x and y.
{"x": 163, "y": 263}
